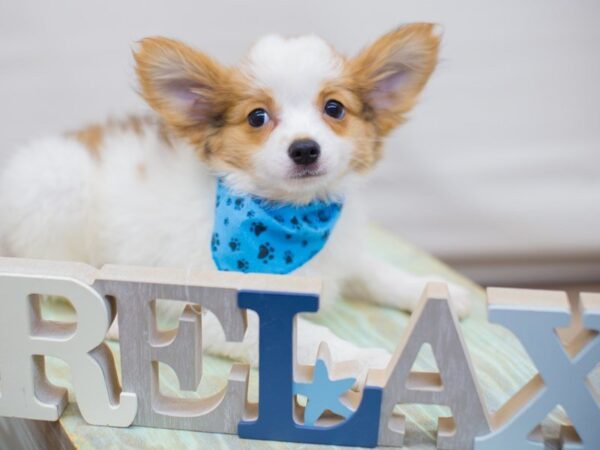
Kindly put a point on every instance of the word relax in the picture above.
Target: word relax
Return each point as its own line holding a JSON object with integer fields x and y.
{"x": 333, "y": 413}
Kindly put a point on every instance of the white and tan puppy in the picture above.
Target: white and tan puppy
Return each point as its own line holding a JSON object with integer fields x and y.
{"x": 142, "y": 191}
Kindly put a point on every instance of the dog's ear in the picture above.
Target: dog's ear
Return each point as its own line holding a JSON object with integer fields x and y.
{"x": 390, "y": 74}
{"x": 184, "y": 86}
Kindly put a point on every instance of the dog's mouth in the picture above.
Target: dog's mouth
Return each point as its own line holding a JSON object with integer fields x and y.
{"x": 307, "y": 172}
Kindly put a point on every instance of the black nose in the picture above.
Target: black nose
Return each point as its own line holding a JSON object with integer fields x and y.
{"x": 304, "y": 151}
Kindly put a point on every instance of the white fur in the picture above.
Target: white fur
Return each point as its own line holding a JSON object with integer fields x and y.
{"x": 143, "y": 202}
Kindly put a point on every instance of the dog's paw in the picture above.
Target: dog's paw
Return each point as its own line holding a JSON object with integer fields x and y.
{"x": 459, "y": 295}
{"x": 372, "y": 358}
{"x": 362, "y": 359}
{"x": 460, "y": 299}
{"x": 369, "y": 358}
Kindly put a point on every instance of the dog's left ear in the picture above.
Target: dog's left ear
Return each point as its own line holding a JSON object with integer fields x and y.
{"x": 390, "y": 74}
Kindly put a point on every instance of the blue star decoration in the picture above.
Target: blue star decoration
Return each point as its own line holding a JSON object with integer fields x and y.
{"x": 323, "y": 394}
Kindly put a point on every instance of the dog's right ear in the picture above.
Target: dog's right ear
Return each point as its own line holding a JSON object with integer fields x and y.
{"x": 183, "y": 85}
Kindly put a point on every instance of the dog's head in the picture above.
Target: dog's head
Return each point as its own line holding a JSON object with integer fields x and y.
{"x": 295, "y": 118}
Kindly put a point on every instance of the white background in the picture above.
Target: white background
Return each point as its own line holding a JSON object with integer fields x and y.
{"x": 498, "y": 172}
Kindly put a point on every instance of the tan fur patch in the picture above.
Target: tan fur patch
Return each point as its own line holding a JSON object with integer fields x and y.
{"x": 93, "y": 136}
{"x": 412, "y": 49}
{"x": 354, "y": 125}
{"x": 142, "y": 171}
{"x": 236, "y": 141}
{"x": 90, "y": 137}
{"x": 131, "y": 123}
{"x": 232, "y": 142}
{"x": 215, "y": 120}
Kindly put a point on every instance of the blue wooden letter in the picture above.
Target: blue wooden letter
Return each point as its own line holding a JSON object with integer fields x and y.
{"x": 276, "y": 402}
{"x": 533, "y": 317}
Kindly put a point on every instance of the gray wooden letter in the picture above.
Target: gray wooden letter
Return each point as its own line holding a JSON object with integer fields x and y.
{"x": 435, "y": 323}
{"x": 143, "y": 346}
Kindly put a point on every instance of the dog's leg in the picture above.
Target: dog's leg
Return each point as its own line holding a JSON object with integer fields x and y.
{"x": 309, "y": 335}
{"x": 382, "y": 283}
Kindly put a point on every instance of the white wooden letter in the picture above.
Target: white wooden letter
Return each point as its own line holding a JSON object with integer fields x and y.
{"x": 25, "y": 338}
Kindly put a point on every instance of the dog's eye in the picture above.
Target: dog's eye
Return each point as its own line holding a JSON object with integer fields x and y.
{"x": 258, "y": 117}
{"x": 334, "y": 109}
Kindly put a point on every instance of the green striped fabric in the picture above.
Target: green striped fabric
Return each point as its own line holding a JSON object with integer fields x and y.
{"x": 500, "y": 363}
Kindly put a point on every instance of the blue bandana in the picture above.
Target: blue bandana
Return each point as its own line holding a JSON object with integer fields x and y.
{"x": 252, "y": 234}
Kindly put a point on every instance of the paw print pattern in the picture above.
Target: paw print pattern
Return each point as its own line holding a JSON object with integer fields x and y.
{"x": 257, "y": 235}
{"x": 266, "y": 252}
{"x": 215, "y": 242}
{"x": 243, "y": 265}
{"x": 239, "y": 203}
{"x": 288, "y": 257}
{"x": 295, "y": 223}
{"x": 234, "y": 244}
{"x": 258, "y": 228}
{"x": 324, "y": 215}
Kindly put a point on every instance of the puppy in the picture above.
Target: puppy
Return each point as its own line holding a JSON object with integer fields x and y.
{"x": 275, "y": 149}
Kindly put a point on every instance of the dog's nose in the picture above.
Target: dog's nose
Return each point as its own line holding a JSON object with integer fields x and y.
{"x": 304, "y": 151}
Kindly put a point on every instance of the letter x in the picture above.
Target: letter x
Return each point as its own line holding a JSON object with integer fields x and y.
{"x": 533, "y": 317}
